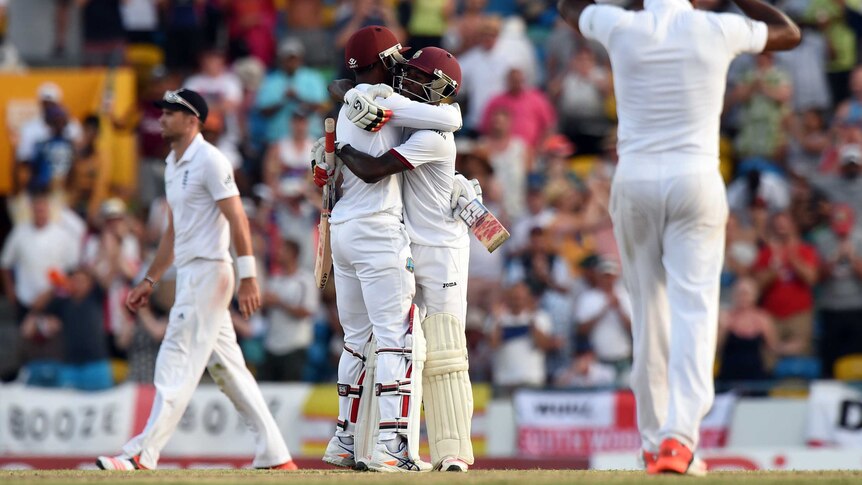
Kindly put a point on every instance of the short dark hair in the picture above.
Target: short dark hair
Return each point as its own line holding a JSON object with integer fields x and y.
{"x": 290, "y": 243}
{"x": 92, "y": 121}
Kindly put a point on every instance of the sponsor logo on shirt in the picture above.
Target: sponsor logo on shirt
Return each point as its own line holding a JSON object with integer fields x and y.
{"x": 450, "y": 285}
{"x": 410, "y": 265}
{"x": 228, "y": 181}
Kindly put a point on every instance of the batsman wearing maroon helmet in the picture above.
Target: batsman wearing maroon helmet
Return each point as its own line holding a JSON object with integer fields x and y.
{"x": 379, "y": 373}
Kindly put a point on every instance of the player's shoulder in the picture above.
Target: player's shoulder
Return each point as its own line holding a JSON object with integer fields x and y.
{"x": 442, "y": 142}
{"x": 210, "y": 156}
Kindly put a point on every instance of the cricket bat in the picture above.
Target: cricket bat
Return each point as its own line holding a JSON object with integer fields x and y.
{"x": 323, "y": 263}
{"x": 484, "y": 225}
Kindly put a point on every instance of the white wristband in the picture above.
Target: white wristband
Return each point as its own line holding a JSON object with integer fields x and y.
{"x": 246, "y": 267}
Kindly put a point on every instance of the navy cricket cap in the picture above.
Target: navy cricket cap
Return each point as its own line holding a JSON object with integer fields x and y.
{"x": 184, "y": 100}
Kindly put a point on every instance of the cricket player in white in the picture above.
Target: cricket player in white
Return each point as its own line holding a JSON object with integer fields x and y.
{"x": 374, "y": 267}
{"x": 440, "y": 245}
{"x": 205, "y": 214}
{"x": 668, "y": 200}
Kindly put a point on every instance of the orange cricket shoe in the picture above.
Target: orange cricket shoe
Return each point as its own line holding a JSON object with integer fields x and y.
{"x": 649, "y": 459}
{"x": 675, "y": 457}
{"x": 286, "y": 466}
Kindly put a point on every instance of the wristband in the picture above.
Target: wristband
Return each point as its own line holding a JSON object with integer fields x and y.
{"x": 246, "y": 267}
{"x": 153, "y": 283}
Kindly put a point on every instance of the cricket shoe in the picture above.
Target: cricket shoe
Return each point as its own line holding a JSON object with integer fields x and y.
{"x": 385, "y": 460}
{"x": 286, "y": 466}
{"x": 339, "y": 452}
{"x": 675, "y": 457}
{"x": 647, "y": 461}
{"x": 450, "y": 464}
{"x": 120, "y": 462}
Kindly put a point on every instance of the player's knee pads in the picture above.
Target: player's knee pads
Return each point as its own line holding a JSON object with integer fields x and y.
{"x": 448, "y": 395}
{"x": 361, "y": 383}
{"x": 407, "y": 388}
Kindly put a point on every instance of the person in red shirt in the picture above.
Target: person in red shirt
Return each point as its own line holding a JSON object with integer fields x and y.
{"x": 786, "y": 271}
{"x": 534, "y": 116}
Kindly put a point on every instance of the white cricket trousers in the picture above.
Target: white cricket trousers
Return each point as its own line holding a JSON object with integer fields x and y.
{"x": 200, "y": 335}
{"x": 441, "y": 279}
{"x": 374, "y": 288}
{"x": 669, "y": 218}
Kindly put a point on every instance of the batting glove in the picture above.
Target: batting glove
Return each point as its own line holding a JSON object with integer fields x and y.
{"x": 320, "y": 169}
{"x": 363, "y": 111}
{"x": 464, "y": 191}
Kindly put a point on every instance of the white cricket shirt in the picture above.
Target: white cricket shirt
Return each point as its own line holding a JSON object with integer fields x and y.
{"x": 193, "y": 185}
{"x": 427, "y": 188}
{"x": 670, "y": 66}
{"x": 359, "y": 199}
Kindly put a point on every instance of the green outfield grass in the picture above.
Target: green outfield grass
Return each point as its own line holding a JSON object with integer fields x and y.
{"x": 520, "y": 477}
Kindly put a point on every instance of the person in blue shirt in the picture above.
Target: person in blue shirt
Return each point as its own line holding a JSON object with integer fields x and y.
{"x": 289, "y": 87}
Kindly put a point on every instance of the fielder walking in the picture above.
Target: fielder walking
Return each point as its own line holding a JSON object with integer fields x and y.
{"x": 205, "y": 214}
{"x": 668, "y": 201}
{"x": 440, "y": 243}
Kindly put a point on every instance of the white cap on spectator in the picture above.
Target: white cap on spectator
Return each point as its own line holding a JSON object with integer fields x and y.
{"x": 291, "y": 47}
{"x": 50, "y": 92}
{"x": 112, "y": 208}
{"x": 291, "y": 186}
{"x": 608, "y": 266}
{"x": 851, "y": 153}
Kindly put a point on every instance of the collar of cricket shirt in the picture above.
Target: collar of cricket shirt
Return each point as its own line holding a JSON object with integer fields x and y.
{"x": 190, "y": 152}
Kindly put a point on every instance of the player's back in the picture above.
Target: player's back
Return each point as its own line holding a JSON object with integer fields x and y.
{"x": 360, "y": 199}
{"x": 670, "y": 66}
{"x": 427, "y": 189}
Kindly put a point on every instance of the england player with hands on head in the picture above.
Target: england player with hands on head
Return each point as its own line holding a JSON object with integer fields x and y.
{"x": 439, "y": 241}
{"x": 378, "y": 425}
{"x": 204, "y": 215}
{"x": 668, "y": 201}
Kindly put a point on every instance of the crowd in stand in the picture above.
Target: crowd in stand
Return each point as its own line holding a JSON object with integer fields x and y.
{"x": 549, "y": 307}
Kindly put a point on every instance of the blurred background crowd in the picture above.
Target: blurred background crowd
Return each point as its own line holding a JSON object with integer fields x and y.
{"x": 549, "y": 307}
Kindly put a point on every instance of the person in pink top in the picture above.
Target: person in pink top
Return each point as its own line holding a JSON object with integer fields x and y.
{"x": 535, "y": 115}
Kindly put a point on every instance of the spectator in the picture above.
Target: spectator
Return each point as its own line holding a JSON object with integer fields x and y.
{"x": 290, "y": 299}
{"x": 87, "y": 182}
{"x": 484, "y": 69}
{"x": 850, "y": 110}
{"x": 290, "y": 88}
{"x": 829, "y": 17}
{"x": 535, "y": 115}
{"x": 806, "y": 65}
{"x": 764, "y": 95}
{"x": 786, "y": 271}
{"x": 185, "y": 25}
{"x": 38, "y": 130}
{"x": 510, "y": 158}
{"x": 250, "y": 27}
{"x": 141, "y": 340}
{"x": 288, "y": 157}
{"x": 538, "y": 214}
{"x": 844, "y": 186}
{"x": 221, "y": 89}
{"x": 114, "y": 256}
{"x": 807, "y": 141}
{"x": 140, "y": 20}
{"x": 79, "y": 318}
{"x": 603, "y": 315}
{"x": 758, "y": 187}
{"x": 740, "y": 254}
{"x": 464, "y": 30}
{"x": 746, "y": 336}
{"x": 581, "y": 92}
{"x": 357, "y": 14}
{"x": 428, "y": 20}
{"x": 519, "y": 334}
{"x": 540, "y": 268}
{"x": 840, "y": 291}
{"x": 586, "y": 371}
{"x": 35, "y": 253}
{"x": 52, "y": 157}
{"x": 104, "y": 34}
